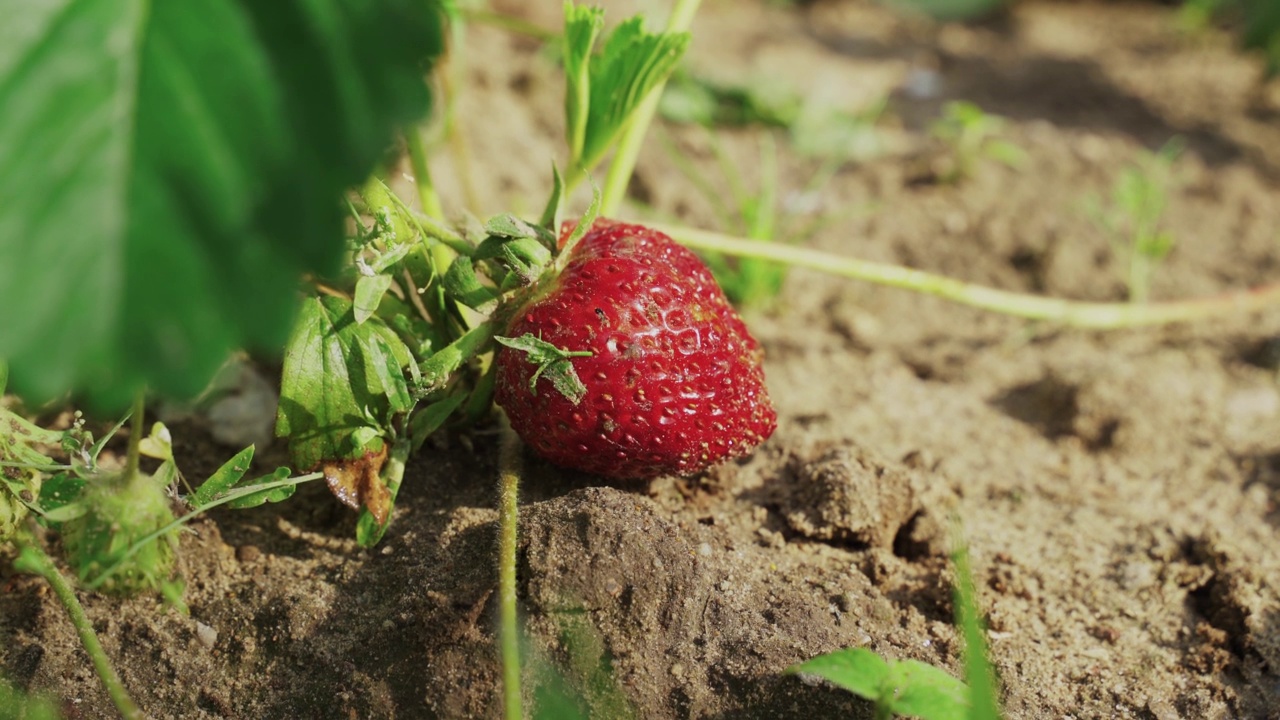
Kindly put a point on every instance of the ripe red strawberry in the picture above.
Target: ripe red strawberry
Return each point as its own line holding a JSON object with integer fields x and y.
{"x": 673, "y": 383}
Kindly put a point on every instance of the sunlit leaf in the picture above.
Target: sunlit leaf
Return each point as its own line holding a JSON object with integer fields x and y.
{"x": 342, "y": 382}
{"x": 170, "y": 168}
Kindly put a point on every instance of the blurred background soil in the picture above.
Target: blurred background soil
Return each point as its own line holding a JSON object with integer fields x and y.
{"x": 1118, "y": 490}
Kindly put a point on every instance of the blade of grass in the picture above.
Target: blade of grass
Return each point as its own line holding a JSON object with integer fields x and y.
{"x": 977, "y": 664}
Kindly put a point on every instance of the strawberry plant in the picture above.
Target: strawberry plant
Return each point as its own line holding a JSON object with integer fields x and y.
{"x": 224, "y": 225}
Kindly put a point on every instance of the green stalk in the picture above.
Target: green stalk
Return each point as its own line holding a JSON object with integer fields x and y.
{"x": 1095, "y": 315}
{"x": 977, "y": 667}
{"x": 33, "y": 559}
{"x": 624, "y": 161}
{"x": 509, "y": 471}
{"x": 422, "y": 174}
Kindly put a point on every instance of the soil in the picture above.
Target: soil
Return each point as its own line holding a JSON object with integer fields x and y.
{"x": 1118, "y": 490}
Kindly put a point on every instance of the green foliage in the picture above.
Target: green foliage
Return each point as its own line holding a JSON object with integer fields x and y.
{"x": 972, "y": 136}
{"x": 343, "y": 382}
{"x": 181, "y": 164}
{"x": 1133, "y": 216}
{"x": 17, "y": 705}
{"x": 603, "y": 91}
{"x": 897, "y": 687}
{"x": 229, "y": 478}
{"x": 21, "y": 467}
{"x": 1258, "y": 21}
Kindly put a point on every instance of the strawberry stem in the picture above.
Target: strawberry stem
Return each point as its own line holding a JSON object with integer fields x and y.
{"x": 1073, "y": 313}
{"x": 510, "y": 467}
{"x": 34, "y": 560}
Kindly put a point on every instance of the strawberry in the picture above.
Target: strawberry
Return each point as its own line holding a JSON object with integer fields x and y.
{"x": 631, "y": 363}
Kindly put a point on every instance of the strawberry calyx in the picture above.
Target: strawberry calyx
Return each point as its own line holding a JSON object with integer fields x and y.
{"x": 552, "y": 361}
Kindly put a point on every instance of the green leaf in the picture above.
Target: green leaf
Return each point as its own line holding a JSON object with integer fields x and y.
{"x": 342, "y": 382}
{"x": 368, "y": 295}
{"x": 903, "y": 687}
{"x": 926, "y": 692}
{"x": 582, "y": 25}
{"x": 857, "y": 670}
{"x": 632, "y": 63}
{"x": 552, "y": 361}
{"x": 275, "y": 494}
{"x": 183, "y": 162}
{"x": 16, "y": 705}
{"x": 223, "y": 479}
{"x": 59, "y": 496}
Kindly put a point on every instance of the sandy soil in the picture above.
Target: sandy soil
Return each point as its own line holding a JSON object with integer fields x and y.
{"x": 1119, "y": 490}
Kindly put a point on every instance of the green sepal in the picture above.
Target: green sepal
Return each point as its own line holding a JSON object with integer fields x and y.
{"x": 553, "y": 362}
{"x": 510, "y": 226}
{"x": 555, "y": 205}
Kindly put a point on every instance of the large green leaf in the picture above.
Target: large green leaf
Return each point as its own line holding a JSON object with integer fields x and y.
{"x": 342, "y": 383}
{"x": 169, "y": 169}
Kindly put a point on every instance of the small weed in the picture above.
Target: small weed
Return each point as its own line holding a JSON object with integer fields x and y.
{"x": 1133, "y": 215}
{"x": 910, "y": 687}
{"x": 972, "y": 136}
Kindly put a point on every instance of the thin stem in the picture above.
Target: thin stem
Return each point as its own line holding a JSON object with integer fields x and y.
{"x": 35, "y": 561}
{"x": 624, "y": 161}
{"x": 422, "y": 174}
{"x": 1096, "y": 315}
{"x": 135, "y": 435}
{"x": 510, "y": 467}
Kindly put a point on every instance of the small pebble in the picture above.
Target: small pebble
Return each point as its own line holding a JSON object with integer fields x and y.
{"x": 207, "y": 636}
{"x": 677, "y": 670}
{"x": 247, "y": 553}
